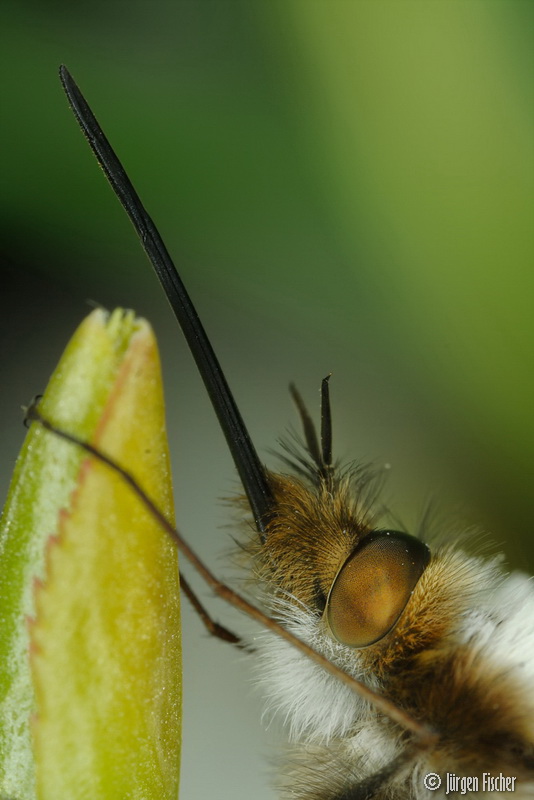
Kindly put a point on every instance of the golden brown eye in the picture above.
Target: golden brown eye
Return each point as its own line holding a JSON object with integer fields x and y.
{"x": 373, "y": 586}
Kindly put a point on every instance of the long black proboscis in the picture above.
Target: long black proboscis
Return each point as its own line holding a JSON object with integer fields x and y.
{"x": 251, "y": 471}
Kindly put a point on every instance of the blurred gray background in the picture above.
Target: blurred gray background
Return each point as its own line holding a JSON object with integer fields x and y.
{"x": 347, "y": 188}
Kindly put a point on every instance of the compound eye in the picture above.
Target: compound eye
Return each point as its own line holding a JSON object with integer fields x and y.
{"x": 373, "y": 586}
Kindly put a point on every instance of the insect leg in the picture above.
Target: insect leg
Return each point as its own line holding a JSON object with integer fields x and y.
{"x": 213, "y": 628}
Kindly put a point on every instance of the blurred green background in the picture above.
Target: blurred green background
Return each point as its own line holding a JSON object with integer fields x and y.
{"x": 347, "y": 187}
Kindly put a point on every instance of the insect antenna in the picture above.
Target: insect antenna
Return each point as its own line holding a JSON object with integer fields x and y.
{"x": 252, "y": 473}
{"x": 308, "y": 426}
{"x": 326, "y": 424}
{"x": 321, "y": 454}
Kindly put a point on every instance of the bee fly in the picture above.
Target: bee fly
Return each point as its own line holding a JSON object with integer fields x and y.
{"x": 421, "y": 683}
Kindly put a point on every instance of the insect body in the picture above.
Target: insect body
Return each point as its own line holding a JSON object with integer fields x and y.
{"x": 444, "y": 661}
